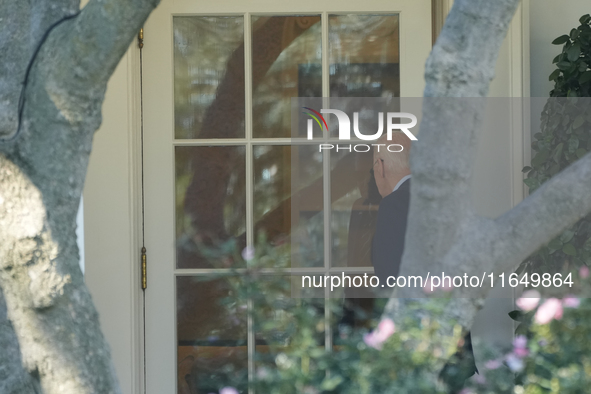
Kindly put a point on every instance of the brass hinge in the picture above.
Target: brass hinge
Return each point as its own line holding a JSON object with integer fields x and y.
{"x": 144, "y": 269}
{"x": 140, "y": 38}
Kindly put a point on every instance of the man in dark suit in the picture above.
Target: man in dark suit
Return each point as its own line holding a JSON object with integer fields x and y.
{"x": 393, "y": 178}
{"x": 392, "y": 175}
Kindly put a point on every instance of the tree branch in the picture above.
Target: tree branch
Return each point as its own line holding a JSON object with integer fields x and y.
{"x": 91, "y": 46}
{"x": 461, "y": 67}
{"x": 81, "y": 54}
{"x": 500, "y": 245}
{"x": 443, "y": 231}
{"x": 560, "y": 202}
{"x": 23, "y": 25}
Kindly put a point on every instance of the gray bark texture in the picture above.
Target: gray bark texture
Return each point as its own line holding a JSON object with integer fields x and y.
{"x": 52, "y": 332}
{"x": 444, "y": 233}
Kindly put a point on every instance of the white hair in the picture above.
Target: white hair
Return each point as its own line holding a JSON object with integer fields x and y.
{"x": 394, "y": 160}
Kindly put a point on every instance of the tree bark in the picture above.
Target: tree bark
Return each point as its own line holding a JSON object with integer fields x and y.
{"x": 13, "y": 377}
{"x": 42, "y": 171}
{"x": 444, "y": 233}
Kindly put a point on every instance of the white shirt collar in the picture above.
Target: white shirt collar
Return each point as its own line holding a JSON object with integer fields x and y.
{"x": 400, "y": 182}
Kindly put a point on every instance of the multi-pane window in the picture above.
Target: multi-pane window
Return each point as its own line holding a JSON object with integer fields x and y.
{"x": 238, "y": 171}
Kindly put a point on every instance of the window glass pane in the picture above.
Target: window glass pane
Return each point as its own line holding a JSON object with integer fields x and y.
{"x": 286, "y": 63}
{"x": 210, "y": 203}
{"x": 288, "y": 196}
{"x": 364, "y": 55}
{"x": 208, "y": 76}
{"x": 364, "y": 62}
{"x": 212, "y": 336}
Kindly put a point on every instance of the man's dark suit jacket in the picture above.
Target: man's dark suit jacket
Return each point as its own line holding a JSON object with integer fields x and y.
{"x": 388, "y": 240}
{"x": 386, "y": 256}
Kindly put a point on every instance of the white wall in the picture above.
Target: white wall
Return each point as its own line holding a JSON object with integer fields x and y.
{"x": 110, "y": 238}
{"x": 548, "y": 20}
{"x": 80, "y": 232}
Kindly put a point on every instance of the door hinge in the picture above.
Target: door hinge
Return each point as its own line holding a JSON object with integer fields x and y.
{"x": 140, "y": 38}
{"x": 144, "y": 269}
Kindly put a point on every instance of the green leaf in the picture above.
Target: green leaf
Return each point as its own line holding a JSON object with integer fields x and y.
{"x": 563, "y": 65}
{"x": 579, "y": 121}
{"x": 526, "y": 169}
{"x": 522, "y": 329}
{"x": 567, "y": 236}
{"x": 556, "y": 59}
{"x": 329, "y": 384}
{"x": 580, "y": 152}
{"x": 574, "y": 52}
{"x": 585, "y": 19}
{"x": 585, "y": 77}
{"x": 573, "y": 144}
{"x": 561, "y": 40}
{"x": 558, "y": 152}
{"x": 554, "y": 75}
{"x": 516, "y": 315}
{"x": 574, "y": 33}
{"x": 539, "y": 158}
{"x": 569, "y": 249}
{"x": 554, "y": 245}
{"x": 566, "y": 120}
{"x": 532, "y": 183}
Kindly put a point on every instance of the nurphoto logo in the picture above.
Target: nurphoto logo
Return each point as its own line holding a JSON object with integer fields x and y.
{"x": 344, "y": 127}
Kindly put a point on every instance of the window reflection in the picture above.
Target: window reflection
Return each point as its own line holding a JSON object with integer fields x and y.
{"x": 212, "y": 336}
{"x": 281, "y": 46}
{"x": 283, "y": 178}
{"x": 288, "y": 181}
{"x": 364, "y": 55}
{"x": 210, "y": 202}
{"x": 208, "y": 76}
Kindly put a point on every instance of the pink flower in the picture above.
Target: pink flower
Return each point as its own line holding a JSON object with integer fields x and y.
{"x": 371, "y": 341}
{"x": 550, "y": 309}
{"x": 571, "y": 302}
{"x": 584, "y": 272}
{"x": 520, "y": 346}
{"x": 521, "y": 353}
{"x": 528, "y": 301}
{"x": 428, "y": 287}
{"x": 447, "y": 285}
{"x": 377, "y": 337}
{"x": 248, "y": 253}
{"x": 520, "y": 342}
{"x": 228, "y": 390}
{"x": 492, "y": 364}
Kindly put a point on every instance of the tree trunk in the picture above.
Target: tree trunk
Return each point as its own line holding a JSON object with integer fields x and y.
{"x": 43, "y": 164}
{"x": 444, "y": 233}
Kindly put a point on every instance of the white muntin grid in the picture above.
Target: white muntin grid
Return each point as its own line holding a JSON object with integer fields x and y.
{"x": 249, "y": 142}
